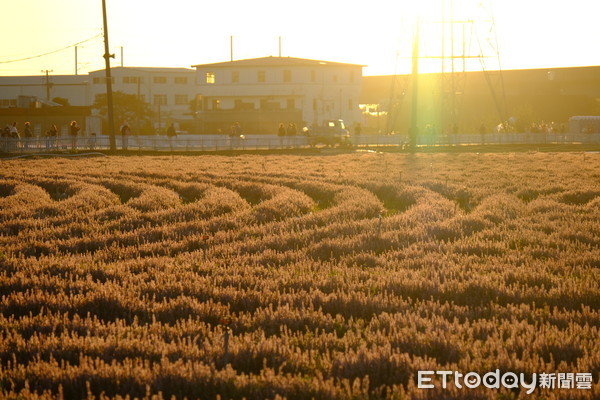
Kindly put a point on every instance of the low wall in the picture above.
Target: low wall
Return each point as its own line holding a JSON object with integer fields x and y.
{"x": 266, "y": 142}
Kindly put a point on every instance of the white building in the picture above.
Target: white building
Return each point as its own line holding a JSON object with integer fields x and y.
{"x": 263, "y": 92}
{"x": 259, "y": 93}
{"x": 168, "y": 90}
{"x": 71, "y": 87}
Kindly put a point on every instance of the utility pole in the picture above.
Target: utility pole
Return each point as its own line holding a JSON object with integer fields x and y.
{"x": 109, "y": 99}
{"x": 48, "y": 84}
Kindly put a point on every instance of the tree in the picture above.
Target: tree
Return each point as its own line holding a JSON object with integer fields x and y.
{"x": 126, "y": 107}
{"x": 195, "y": 105}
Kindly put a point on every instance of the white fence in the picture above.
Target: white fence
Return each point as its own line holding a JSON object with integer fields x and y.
{"x": 273, "y": 142}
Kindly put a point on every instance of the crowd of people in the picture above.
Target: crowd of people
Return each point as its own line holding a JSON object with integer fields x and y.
{"x": 290, "y": 130}
{"x": 534, "y": 127}
{"x": 12, "y": 137}
{"x": 17, "y": 138}
{"x": 504, "y": 127}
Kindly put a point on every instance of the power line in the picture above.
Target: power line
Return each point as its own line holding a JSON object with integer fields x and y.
{"x": 52, "y": 52}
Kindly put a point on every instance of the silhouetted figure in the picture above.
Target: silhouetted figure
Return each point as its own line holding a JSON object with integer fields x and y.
{"x": 73, "y": 132}
{"x": 125, "y": 132}
{"x": 281, "y": 130}
{"x": 235, "y": 132}
{"x": 291, "y": 130}
{"x": 281, "y": 134}
{"x": 14, "y": 131}
{"x": 14, "y": 134}
{"x": 27, "y": 134}
{"x": 171, "y": 133}
{"x": 6, "y": 141}
{"x": 237, "y": 129}
{"x": 27, "y": 130}
{"x": 51, "y": 134}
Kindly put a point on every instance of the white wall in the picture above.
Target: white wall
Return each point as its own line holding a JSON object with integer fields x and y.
{"x": 331, "y": 90}
{"x": 74, "y": 88}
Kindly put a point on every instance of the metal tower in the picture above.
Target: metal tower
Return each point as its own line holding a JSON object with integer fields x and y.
{"x": 464, "y": 41}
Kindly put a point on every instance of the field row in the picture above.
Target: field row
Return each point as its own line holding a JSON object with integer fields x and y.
{"x": 300, "y": 277}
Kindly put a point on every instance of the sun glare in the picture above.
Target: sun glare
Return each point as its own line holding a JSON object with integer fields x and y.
{"x": 452, "y": 35}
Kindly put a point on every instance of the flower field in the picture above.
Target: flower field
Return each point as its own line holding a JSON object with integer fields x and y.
{"x": 297, "y": 276}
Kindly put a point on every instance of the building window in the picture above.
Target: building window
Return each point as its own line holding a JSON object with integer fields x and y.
{"x": 181, "y": 80}
{"x": 160, "y": 99}
{"x": 262, "y": 76}
{"x": 287, "y": 75}
{"x": 133, "y": 79}
{"x": 159, "y": 79}
{"x": 102, "y": 80}
{"x": 235, "y": 77}
{"x": 291, "y": 104}
{"x": 8, "y": 103}
{"x": 265, "y": 104}
{"x": 210, "y": 77}
{"x": 181, "y": 99}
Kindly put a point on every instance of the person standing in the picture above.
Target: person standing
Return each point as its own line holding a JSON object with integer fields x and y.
{"x": 27, "y": 134}
{"x": 291, "y": 132}
{"x": 281, "y": 134}
{"x": 73, "y": 131}
{"x": 236, "y": 133}
{"x": 171, "y": 133}
{"x": 14, "y": 131}
{"x": 27, "y": 131}
{"x": 6, "y": 142}
{"x": 125, "y": 132}
{"x": 51, "y": 134}
{"x": 238, "y": 129}
{"x": 14, "y": 134}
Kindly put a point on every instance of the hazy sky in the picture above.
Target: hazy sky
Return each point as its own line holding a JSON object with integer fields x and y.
{"x": 181, "y": 33}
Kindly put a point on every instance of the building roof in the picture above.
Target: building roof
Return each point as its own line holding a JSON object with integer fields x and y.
{"x": 275, "y": 62}
{"x": 148, "y": 69}
{"x": 36, "y": 80}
